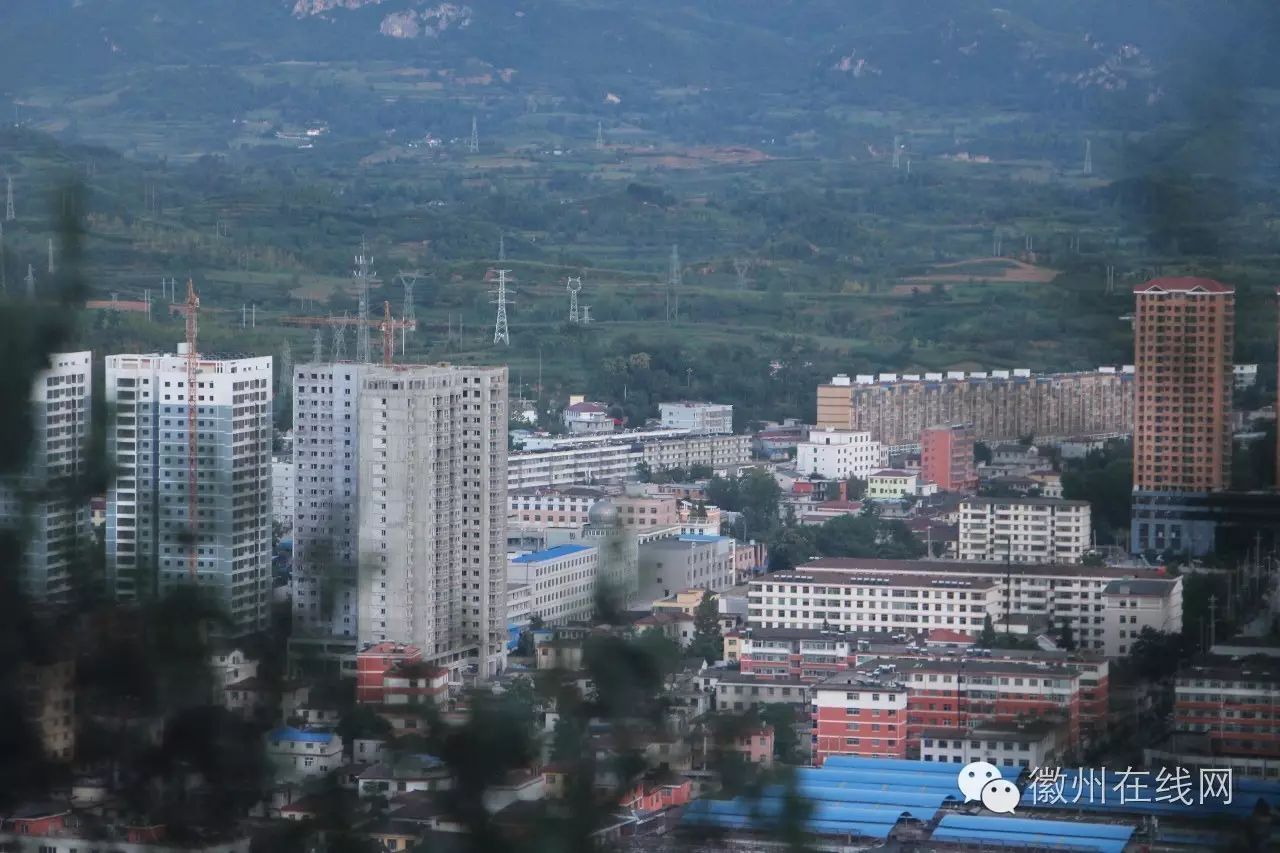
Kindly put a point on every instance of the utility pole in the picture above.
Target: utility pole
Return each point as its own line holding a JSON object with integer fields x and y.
{"x": 50, "y": 256}
{"x": 9, "y": 214}
{"x": 501, "y": 334}
{"x": 474, "y": 145}
{"x": 599, "y": 134}
{"x": 897, "y": 151}
{"x": 502, "y": 247}
{"x": 1088, "y": 156}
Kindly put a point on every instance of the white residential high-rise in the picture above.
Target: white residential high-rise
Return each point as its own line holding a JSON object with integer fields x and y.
{"x": 697, "y": 417}
{"x": 55, "y": 527}
{"x": 840, "y": 454}
{"x": 149, "y": 529}
{"x": 326, "y": 490}
{"x": 432, "y": 544}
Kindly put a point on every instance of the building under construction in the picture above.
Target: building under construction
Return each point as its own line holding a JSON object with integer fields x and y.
{"x": 1001, "y": 405}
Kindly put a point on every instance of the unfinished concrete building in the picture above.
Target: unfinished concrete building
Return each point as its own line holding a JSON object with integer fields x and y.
{"x": 1001, "y": 405}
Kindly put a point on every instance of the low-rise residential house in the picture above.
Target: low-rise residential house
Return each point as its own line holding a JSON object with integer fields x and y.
{"x": 1034, "y": 743}
{"x": 892, "y": 484}
{"x": 303, "y": 753}
{"x": 1130, "y": 606}
{"x": 403, "y": 774}
{"x": 755, "y": 745}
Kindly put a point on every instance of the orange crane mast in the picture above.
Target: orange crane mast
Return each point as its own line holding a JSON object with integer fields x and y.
{"x": 386, "y": 324}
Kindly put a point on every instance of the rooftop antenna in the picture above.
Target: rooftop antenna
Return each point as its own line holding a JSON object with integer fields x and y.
{"x": 501, "y": 334}
{"x": 673, "y": 285}
{"x": 50, "y": 256}
{"x": 9, "y": 215}
{"x": 31, "y": 283}
{"x": 317, "y": 346}
{"x": 474, "y": 145}
{"x": 1088, "y": 156}
{"x": 897, "y": 152}
{"x": 600, "y": 134}
{"x": 574, "y": 285}
{"x": 408, "y": 314}
{"x": 740, "y": 268}
{"x": 364, "y": 275}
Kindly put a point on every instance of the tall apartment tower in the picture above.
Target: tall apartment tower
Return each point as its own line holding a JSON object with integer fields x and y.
{"x": 1184, "y": 333}
{"x": 326, "y": 493}
{"x": 431, "y": 519}
{"x": 39, "y": 502}
{"x": 149, "y": 529}
{"x": 946, "y": 457}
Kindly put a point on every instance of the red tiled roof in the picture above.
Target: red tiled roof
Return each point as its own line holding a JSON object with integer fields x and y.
{"x": 945, "y": 635}
{"x": 1183, "y": 284}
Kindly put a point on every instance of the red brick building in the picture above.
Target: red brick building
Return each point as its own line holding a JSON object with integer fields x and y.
{"x": 946, "y": 457}
{"x": 1233, "y": 705}
{"x": 882, "y": 708}
{"x": 372, "y": 664}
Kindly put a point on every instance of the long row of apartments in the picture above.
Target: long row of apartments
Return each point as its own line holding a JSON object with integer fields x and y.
{"x": 615, "y": 457}
{"x": 1105, "y": 609}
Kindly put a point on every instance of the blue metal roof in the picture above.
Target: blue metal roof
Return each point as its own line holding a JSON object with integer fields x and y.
{"x": 700, "y": 537}
{"x": 289, "y": 733}
{"x": 857, "y": 762}
{"x": 1014, "y": 831}
{"x": 902, "y": 780}
{"x": 551, "y": 554}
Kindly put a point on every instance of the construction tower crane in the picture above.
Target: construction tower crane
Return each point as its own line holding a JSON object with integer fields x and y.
{"x": 191, "y": 309}
{"x": 386, "y": 324}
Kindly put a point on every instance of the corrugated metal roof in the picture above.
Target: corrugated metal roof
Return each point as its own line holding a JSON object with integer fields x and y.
{"x": 288, "y": 733}
{"x": 551, "y": 554}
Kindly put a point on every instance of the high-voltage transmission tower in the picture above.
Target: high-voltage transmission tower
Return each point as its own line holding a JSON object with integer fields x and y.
{"x": 9, "y": 214}
{"x": 997, "y": 244}
{"x": 740, "y": 268}
{"x": 1088, "y": 156}
{"x": 586, "y": 315}
{"x": 897, "y": 152}
{"x": 4, "y": 277}
{"x": 286, "y": 371}
{"x": 339, "y": 341}
{"x": 674, "y": 281}
{"x": 502, "y": 247}
{"x": 474, "y": 145}
{"x": 599, "y": 134}
{"x": 1111, "y": 280}
{"x": 409, "y": 315}
{"x": 501, "y": 334}
{"x": 364, "y": 275}
{"x": 31, "y": 283}
{"x": 574, "y": 286}
{"x": 50, "y": 256}
{"x": 317, "y": 346}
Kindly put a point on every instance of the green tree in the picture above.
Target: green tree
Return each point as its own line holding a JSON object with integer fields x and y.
{"x": 987, "y": 639}
{"x": 362, "y": 721}
{"x": 707, "y": 641}
{"x": 786, "y": 744}
{"x": 856, "y": 488}
{"x": 1066, "y": 639}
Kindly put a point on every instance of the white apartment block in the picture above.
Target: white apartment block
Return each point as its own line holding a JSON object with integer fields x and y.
{"x": 892, "y": 484}
{"x": 846, "y": 601}
{"x": 693, "y": 561}
{"x": 149, "y": 530}
{"x": 697, "y": 417}
{"x": 326, "y": 499}
{"x": 551, "y": 462}
{"x": 561, "y": 582}
{"x": 56, "y": 530}
{"x": 519, "y": 604}
{"x": 839, "y": 454}
{"x": 568, "y": 506}
{"x": 1051, "y": 592}
{"x": 1024, "y": 530}
{"x": 1132, "y": 605}
{"x": 282, "y": 491}
{"x": 1030, "y": 744}
{"x": 432, "y": 543}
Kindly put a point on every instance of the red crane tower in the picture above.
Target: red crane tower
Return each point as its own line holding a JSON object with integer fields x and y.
{"x": 386, "y": 324}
